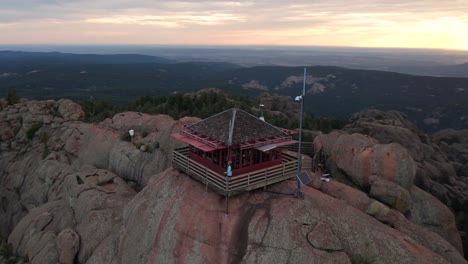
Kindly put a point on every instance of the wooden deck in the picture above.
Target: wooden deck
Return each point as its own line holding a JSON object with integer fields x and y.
{"x": 229, "y": 186}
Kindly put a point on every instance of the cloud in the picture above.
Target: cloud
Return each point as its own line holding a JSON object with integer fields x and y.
{"x": 169, "y": 20}
{"x": 300, "y": 10}
{"x": 355, "y": 23}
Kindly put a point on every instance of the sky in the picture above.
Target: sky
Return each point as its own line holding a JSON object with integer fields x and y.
{"x": 356, "y": 23}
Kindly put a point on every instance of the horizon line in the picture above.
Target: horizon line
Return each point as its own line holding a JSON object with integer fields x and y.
{"x": 229, "y": 46}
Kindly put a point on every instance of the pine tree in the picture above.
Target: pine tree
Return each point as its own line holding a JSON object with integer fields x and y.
{"x": 12, "y": 98}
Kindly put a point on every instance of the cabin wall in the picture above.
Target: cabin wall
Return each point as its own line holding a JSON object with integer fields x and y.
{"x": 251, "y": 160}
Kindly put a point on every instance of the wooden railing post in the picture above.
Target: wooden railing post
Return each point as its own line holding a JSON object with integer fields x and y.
{"x": 226, "y": 209}
{"x": 206, "y": 179}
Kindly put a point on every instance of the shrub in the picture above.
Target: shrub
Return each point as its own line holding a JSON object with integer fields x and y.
{"x": 6, "y": 251}
{"x": 126, "y": 137}
{"x": 16, "y": 130}
{"x": 149, "y": 149}
{"x": 31, "y": 131}
{"x": 138, "y": 145}
{"x": 365, "y": 259}
{"x": 44, "y": 139}
{"x": 144, "y": 134}
{"x": 12, "y": 98}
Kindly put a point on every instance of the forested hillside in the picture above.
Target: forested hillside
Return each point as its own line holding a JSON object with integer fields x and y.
{"x": 433, "y": 103}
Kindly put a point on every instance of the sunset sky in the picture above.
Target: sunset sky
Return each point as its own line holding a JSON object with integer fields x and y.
{"x": 357, "y": 23}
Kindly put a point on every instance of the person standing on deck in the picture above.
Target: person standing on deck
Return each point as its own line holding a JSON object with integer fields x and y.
{"x": 229, "y": 169}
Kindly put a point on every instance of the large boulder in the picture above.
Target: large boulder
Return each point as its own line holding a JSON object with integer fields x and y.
{"x": 35, "y": 235}
{"x": 83, "y": 209}
{"x": 431, "y": 214}
{"x": 69, "y": 110}
{"x": 391, "y": 127}
{"x": 391, "y": 217}
{"x": 104, "y": 145}
{"x": 260, "y": 228}
{"x": 387, "y": 172}
{"x": 391, "y": 194}
{"x": 68, "y": 243}
{"x": 360, "y": 156}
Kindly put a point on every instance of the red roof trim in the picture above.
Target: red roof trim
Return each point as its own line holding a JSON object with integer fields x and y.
{"x": 201, "y": 138}
{"x": 193, "y": 142}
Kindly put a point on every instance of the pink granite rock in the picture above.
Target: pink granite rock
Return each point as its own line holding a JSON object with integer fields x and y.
{"x": 69, "y": 110}
{"x": 258, "y": 223}
{"x": 68, "y": 243}
{"x": 84, "y": 184}
{"x": 391, "y": 194}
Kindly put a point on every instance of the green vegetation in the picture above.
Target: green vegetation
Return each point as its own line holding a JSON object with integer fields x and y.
{"x": 146, "y": 147}
{"x": 126, "y": 137}
{"x": 202, "y": 105}
{"x": 346, "y": 90}
{"x": 44, "y": 139}
{"x": 309, "y": 122}
{"x": 6, "y": 251}
{"x": 32, "y": 130}
{"x": 179, "y": 105}
{"x": 365, "y": 259}
{"x": 97, "y": 110}
{"x": 12, "y": 98}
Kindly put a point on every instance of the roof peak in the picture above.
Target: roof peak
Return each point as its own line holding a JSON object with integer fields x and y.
{"x": 236, "y": 126}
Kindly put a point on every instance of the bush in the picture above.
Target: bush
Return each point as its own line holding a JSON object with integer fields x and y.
{"x": 31, "y": 131}
{"x": 12, "y": 98}
{"x": 6, "y": 251}
{"x": 44, "y": 139}
{"x": 144, "y": 134}
{"x": 138, "y": 145}
{"x": 365, "y": 259}
{"x": 126, "y": 137}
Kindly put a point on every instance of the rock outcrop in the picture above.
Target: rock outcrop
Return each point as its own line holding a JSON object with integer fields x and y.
{"x": 262, "y": 228}
{"x": 440, "y": 159}
{"x": 73, "y": 192}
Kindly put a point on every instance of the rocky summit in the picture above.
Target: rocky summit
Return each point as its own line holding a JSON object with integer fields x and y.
{"x": 74, "y": 192}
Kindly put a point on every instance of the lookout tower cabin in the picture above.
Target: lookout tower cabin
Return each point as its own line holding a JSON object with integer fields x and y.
{"x": 252, "y": 145}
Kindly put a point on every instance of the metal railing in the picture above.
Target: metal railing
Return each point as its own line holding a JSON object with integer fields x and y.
{"x": 229, "y": 186}
{"x": 306, "y": 148}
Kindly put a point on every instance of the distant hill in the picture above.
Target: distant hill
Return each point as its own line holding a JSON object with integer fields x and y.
{"x": 457, "y": 70}
{"x": 431, "y": 102}
{"x": 43, "y": 58}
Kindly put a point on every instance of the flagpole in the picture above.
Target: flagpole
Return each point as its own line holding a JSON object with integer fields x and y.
{"x": 299, "y": 155}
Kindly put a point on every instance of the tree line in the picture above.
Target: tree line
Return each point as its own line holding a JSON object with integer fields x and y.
{"x": 203, "y": 105}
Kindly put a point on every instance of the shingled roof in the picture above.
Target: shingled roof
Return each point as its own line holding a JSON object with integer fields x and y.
{"x": 247, "y": 128}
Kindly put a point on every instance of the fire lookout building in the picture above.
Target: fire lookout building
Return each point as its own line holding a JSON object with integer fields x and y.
{"x": 253, "y": 146}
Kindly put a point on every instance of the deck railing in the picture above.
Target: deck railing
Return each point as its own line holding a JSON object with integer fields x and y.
{"x": 306, "y": 148}
{"x": 229, "y": 186}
